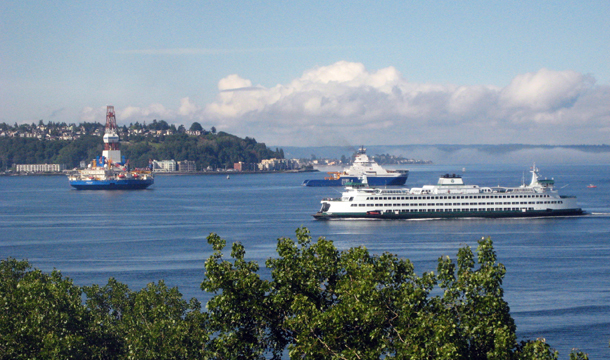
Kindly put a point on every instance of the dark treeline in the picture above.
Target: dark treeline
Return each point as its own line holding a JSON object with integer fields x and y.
{"x": 319, "y": 303}
{"x": 159, "y": 141}
{"x": 219, "y": 150}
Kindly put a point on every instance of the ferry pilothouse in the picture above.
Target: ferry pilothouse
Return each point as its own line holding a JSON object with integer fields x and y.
{"x": 450, "y": 198}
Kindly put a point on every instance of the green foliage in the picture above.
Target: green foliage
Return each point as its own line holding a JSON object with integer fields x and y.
{"x": 239, "y": 314}
{"x": 217, "y": 151}
{"x": 330, "y": 304}
{"x": 153, "y": 323}
{"x": 34, "y": 151}
{"x": 536, "y": 350}
{"x": 196, "y": 127}
{"x": 576, "y": 354}
{"x": 319, "y": 303}
{"x": 220, "y": 150}
{"x": 41, "y": 315}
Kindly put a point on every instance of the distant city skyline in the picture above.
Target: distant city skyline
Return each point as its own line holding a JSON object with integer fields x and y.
{"x": 316, "y": 73}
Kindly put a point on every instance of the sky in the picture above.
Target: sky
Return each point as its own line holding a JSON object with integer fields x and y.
{"x": 316, "y": 73}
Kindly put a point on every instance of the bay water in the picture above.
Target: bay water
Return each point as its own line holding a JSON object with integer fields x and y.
{"x": 558, "y": 269}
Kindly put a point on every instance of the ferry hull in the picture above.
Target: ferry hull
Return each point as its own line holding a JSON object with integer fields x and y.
{"x": 129, "y": 184}
{"x": 371, "y": 180}
{"x": 389, "y": 215}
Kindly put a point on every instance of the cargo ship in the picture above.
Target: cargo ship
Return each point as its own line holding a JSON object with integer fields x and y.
{"x": 110, "y": 171}
{"x": 450, "y": 198}
{"x": 363, "y": 166}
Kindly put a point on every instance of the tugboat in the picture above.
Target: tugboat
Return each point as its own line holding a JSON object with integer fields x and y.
{"x": 110, "y": 171}
{"x": 362, "y": 166}
{"x": 450, "y": 198}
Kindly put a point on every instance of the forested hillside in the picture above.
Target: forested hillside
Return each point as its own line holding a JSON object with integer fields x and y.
{"x": 71, "y": 144}
{"x": 214, "y": 150}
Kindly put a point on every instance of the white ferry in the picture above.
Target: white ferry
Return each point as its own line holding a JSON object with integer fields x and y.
{"x": 362, "y": 166}
{"x": 450, "y": 198}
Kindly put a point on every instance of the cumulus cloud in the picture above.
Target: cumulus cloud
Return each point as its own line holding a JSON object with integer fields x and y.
{"x": 188, "y": 108}
{"x": 89, "y": 114}
{"x": 545, "y": 90}
{"x": 132, "y": 113}
{"x": 348, "y": 104}
{"x": 346, "y": 101}
{"x": 157, "y": 111}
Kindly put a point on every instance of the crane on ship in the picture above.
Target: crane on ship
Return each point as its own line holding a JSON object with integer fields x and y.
{"x": 111, "y": 152}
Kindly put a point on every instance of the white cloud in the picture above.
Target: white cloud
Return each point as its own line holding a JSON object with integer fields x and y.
{"x": 233, "y": 82}
{"x": 90, "y": 114}
{"x": 188, "y": 108}
{"x": 545, "y": 90}
{"x": 345, "y": 100}
{"x": 346, "y": 103}
{"x": 129, "y": 114}
{"x": 153, "y": 111}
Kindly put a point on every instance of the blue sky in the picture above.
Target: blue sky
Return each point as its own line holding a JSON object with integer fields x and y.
{"x": 316, "y": 73}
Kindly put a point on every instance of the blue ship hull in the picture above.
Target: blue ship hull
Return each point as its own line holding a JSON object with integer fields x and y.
{"x": 371, "y": 180}
{"x": 129, "y": 184}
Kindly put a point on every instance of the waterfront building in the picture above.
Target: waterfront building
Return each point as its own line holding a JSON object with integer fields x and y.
{"x": 39, "y": 168}
{"x": 164, "y": 165}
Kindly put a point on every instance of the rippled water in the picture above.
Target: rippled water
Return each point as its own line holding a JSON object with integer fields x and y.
{"x": 558, "y": 270}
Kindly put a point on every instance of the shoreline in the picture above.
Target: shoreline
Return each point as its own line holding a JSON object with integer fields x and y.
{"x": 177, "y": 173}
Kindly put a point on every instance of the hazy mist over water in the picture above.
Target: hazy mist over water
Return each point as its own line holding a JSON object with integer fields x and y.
{"x": 474, "y": 154}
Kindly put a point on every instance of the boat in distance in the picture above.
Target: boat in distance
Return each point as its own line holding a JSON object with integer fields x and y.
{"x": 105, "y": 178}
{"x": 110, "y": 171}
{"x": 362, "y": 166}
{"x": 450, "y": 198}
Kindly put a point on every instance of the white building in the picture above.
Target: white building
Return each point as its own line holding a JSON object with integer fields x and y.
{"x": 186, "y": 166}
{"x": 36, "y": 168}
{"x": 278, "y": 164}
{"x": 164, "y": 166}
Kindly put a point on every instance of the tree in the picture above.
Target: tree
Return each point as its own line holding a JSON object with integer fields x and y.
{"x": 196, "y": 127}
{"x": 42, "y": 315}
{"x": 213, "y": 130}
{"x": 318, "y": 303}
{"x": 326, "y": 303}
{"x": 153, "y": 323}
